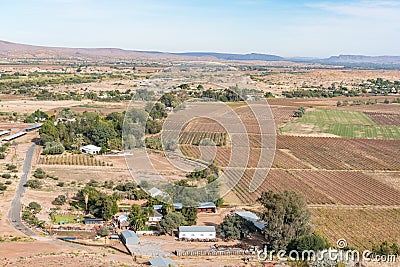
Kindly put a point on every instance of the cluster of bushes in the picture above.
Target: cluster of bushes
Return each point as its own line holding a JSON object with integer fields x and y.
{"x": 3, "y": 186}
{"x": 34, "y": 184}
{"x": 208, "y": 173}
{"x": 11, "y": 167}
{"x": 29, "y": 214}
{"x": 3, "y": 149}
{"x": 357, "y": 102}
{"x": 299, "y": 112}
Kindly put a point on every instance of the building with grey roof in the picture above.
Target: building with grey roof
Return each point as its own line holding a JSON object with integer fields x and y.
{"x": 197, "y": 232}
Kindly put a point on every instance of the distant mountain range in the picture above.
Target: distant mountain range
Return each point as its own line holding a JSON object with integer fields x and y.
{"x": 14, "y": 50}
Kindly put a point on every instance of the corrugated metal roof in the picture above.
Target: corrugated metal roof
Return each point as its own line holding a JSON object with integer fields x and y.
{"x": 128, "y": 233}
{"x": 162, "y": 262}
{"x": 11, "y": 137}
{"x": 4, "y": 132}
{"x": 33, "y": 127}
{"x": 196, "y": 228}
{"x": 252, "y": 217}
{"x": 207, "y": 205}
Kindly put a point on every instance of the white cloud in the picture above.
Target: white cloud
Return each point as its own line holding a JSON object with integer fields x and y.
{"x": 384, "y": 10}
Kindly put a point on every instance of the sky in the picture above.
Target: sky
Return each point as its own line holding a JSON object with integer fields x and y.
{"x": 303, "y": 28}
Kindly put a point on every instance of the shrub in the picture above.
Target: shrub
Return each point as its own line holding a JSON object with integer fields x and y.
{"x": 60, "y": 184}
{"x": 34, "y": 184}
{"x": 6, "y": 175}
{"x": 39, "y": 173}
{"x": 8, "y": 182}
{"x": 11, "y": 167}
{"x": 2, "y": 156}
{"x": 3, "y": 187}
{"x": 60, "y": 200}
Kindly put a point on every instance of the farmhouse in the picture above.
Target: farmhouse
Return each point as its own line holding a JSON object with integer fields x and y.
{"x": 162, "y": 262}
{"x": 197, "y": 232}
{"x": 252, "y": 217}
{"x": 155, "y": 218}
{"x": 90, "y": 149}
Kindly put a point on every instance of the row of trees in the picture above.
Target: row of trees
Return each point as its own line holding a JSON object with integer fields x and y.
{"x": 321, "y": 93}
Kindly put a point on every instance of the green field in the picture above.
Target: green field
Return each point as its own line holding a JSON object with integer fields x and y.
{"x": 348, "y": 124}
{"x": 65, "y": 218}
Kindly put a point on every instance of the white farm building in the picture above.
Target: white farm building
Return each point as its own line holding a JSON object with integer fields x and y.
{"x": 90, "y": 149}
{"x": 197, "y": 232}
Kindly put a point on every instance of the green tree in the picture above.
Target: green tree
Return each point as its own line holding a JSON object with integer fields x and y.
{"x": 235, "y": 227}
{"x": 309, "y": 242}
{"x": 34, "y": 207}
{"x": 48, "y": 132}
{"x": 53, "y": 148}
{"x": 137, "y": 217}
{"x": 287, "y": 215}
{"x": 103, "y": 134}
{"x": 171, "y": 221}
{"x": 190, "y": 214}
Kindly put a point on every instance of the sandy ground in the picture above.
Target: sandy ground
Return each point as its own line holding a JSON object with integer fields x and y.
{"x": 15, "y": 155}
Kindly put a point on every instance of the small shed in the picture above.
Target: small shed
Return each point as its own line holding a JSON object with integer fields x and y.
{"x": 129, "y": 238}
{"x": 162, "y": 262}
{"x": 90, "y": 149}
{"x": 208, "y": 207}
{"x": 93, "y": 221}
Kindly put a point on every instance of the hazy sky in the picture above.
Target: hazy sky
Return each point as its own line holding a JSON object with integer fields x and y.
{"x": 286, "y": 28}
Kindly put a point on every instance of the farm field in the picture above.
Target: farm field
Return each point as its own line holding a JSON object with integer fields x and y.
{"x": 347, "y": 124}
{"x": 323, "y": 187}
{"x": 72, "y": 159}
{"x": 343, "y": 154}
{"x": 384, "y": 118}
{"x": 361, "y": 227}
